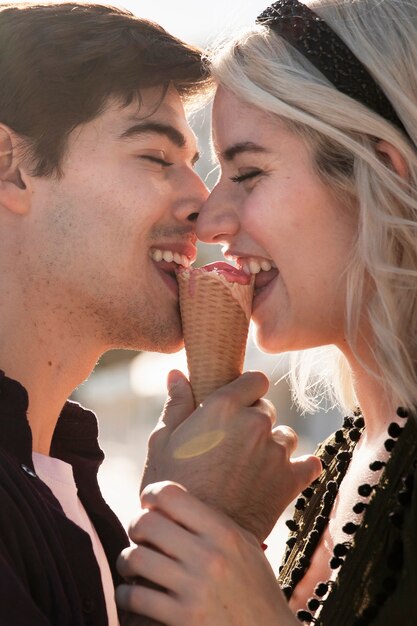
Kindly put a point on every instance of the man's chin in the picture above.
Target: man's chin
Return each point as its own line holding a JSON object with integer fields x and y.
{"x": 170, "y": 347}
{"x": 164, "y": 343}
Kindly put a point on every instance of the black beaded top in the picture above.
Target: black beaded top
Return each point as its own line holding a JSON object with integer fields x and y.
{"x": 376, "y": 567}
{"x": 315, "y": 40}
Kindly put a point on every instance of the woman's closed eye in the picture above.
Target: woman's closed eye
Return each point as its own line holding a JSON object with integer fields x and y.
{"x": 246, "y": 175}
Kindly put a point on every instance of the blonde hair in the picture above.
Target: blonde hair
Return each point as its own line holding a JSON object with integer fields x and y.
{"x": 265, "y": 71}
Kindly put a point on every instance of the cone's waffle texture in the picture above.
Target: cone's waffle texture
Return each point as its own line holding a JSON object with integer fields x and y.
{"x": 215, "y": 328}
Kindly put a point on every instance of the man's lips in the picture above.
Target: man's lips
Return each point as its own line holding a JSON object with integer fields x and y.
{"x": 167, "y": 257}
{"x": 167, "y": 272}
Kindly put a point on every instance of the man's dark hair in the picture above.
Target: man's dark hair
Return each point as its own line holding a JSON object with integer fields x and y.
{"x": 59, "y": 64}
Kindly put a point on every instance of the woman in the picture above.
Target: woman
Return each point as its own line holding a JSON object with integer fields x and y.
{"x": 315, "y": 128}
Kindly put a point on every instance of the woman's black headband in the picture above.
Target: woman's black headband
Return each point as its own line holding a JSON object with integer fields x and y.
{"x": 317, "y": 42}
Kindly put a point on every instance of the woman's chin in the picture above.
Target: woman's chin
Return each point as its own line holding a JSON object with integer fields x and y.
{"x": 265, "y": 341}
{"x": 273, "y": 340}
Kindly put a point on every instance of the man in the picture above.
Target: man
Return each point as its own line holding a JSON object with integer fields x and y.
{"x": 98, "y": 199}
{"x": 96, "y": 174}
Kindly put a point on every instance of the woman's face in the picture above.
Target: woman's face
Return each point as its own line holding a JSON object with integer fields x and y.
{"x": 269, "y": 208}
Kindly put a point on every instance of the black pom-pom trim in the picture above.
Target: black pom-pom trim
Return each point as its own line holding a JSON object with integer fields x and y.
{"x": 394, "y": 430}
{"x": 341, "y": 549}
{"x": 335, "y": 562}
{"x": 321, "y": 589}
{"x": 348, "y": 422}
{"x": 292, "y": 525}
{"x": 359, "y": 422}
{"x": 389, "y": 445}
{"x": 313, "y": 604}
{"x": 350, "y": 528}
{"x": 331, "y": 487}
{"x": 343, "y": 456}
{"x": 300, "y": 505}
{"x": 354, "y": 434}
{"x": 359, "y": 507}
{"x": 365, "y": 490}
{"x": 376, "y": 466}
{"x": 305, "y": 616}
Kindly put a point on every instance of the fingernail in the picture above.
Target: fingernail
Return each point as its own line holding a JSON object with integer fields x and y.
{"x": 174, "y": 378}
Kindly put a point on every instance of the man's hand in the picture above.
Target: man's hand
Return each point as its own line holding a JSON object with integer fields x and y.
{"x": 226, "y": 454}
{"x": 209, "y": 571}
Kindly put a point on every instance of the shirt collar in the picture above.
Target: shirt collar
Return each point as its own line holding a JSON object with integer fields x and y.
{"x": 75, "y": 439}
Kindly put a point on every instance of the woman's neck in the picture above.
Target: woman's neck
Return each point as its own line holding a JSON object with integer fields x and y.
{"x": 373, "y": 395}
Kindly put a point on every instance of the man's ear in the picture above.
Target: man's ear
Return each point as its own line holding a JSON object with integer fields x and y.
{"x": 14, "y": 181}
{"x": 393, "y": 158}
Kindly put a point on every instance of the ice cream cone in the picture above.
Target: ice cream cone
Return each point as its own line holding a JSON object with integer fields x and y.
{"x": 215, "y": 315}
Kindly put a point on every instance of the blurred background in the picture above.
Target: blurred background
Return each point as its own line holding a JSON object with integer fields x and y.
{"x": 127, "y": 390}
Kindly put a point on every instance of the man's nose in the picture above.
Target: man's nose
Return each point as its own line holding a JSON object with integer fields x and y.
{"x": 193, "y": 198}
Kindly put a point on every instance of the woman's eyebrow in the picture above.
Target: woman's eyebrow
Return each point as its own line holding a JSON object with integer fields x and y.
{"x": 238, "y": 148}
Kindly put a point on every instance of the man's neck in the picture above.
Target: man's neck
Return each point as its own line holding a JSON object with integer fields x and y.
{"x": 50, "y": 361}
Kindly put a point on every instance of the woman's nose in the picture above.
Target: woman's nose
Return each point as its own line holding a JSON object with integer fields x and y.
{"x": 217, "y": 221}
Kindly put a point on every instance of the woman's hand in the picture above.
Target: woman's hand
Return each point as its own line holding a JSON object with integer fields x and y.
{"x": 214, "y": 572}
{"x": 226, "y": 453}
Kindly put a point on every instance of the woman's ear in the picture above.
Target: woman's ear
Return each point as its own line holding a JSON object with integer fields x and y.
{"x": 393, "y": 158}
{"x": 14, "y": 182}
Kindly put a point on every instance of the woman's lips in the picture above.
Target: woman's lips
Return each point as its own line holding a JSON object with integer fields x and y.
{"x": 264, "y": 282}
{"x": 264, "y": 278}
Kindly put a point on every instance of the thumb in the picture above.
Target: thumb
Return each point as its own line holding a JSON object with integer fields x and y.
{"x": 305, "y": 469}
{"x": 180, "y": 402}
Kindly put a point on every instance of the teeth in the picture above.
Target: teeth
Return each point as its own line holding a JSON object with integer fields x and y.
{"x": 157, "y": 255}
{"x": 167, "y": 255}
{"x": 254, "y": 266}
{"x": 266, "y": 266}
{"x": 251, "y": 265}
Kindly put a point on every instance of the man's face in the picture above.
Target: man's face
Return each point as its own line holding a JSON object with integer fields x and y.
{"x": 105, "y": 239}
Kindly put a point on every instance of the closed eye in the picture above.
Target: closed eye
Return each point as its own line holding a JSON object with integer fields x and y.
{"x": 157, "y": 160}
{"x": 246, "y": 176}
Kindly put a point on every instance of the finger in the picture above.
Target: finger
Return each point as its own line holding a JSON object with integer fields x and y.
{"x": 267, "y": 408}
{"x": 244, "y": 391}
{"x": 154, "y": 528}
{"x": 285, "y": 437}
{"x": 305, "y": 470}
{"x": 154, "y": 566}
{"x": 180, "y": 402}
{"x": 176, "y": 503}
{"x": 149, "y": 602}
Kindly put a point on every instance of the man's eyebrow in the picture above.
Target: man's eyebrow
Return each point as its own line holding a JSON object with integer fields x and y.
{"x": 142, "y": 128}
{"x": 173, "y": 134}
{"x": 238, "y": 148}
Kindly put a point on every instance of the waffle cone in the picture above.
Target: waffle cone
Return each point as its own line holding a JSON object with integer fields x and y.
{"x": 215, "y": 321}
